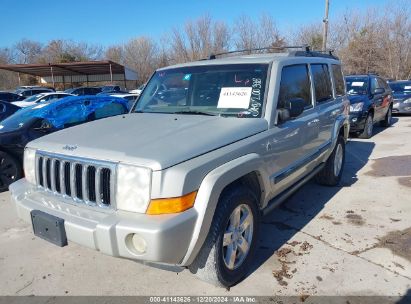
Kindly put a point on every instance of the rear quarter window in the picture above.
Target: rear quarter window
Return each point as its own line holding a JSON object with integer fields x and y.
{"x": 322, "y": 82}
{"x": 338, "y": 80}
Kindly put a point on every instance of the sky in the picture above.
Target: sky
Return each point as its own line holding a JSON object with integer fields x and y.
{"x": 108, "y": 22}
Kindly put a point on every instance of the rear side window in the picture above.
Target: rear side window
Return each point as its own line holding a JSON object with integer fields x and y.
{"x": 338, "y": 80}
{"x": 322, "y": 82}
{"x": 295, "y": 83}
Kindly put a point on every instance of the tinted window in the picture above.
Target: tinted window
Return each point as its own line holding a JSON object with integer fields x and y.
{"x": 295, "y": 83}
{"x": 382, "y": 84}
{"x": 322, "y": 82}
{"x": 338, "y": 80}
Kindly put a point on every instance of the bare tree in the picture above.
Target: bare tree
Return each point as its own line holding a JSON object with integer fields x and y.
{"x": 28, "y": 51}
{"x": 249, "y": 34}
{"x": 199, "y": 39}
{"x": 141, "y": 54}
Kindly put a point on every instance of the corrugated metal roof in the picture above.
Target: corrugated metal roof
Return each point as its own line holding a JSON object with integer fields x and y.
{"x": 89, "y": 68}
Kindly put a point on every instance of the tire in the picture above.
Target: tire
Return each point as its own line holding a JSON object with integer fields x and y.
{"x": 210, "y": 264}
{"x": 368, "y": 127}
{"x": 10, "y": 171}
{"x": 331, "y": 174}
{"x": 387, "y": 120}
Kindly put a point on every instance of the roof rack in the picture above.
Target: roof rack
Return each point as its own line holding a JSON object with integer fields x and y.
{"x": 304, "y": 51}
{"x": 305, "y": 47}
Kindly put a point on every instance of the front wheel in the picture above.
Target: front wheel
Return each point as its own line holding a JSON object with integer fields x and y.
{"x": 368, "y": 128}
{"x": 331, "y": 174}
{"x": 228, "y": 250}
{"x": 388, "y": 117}
{"x": 10, "y": 171}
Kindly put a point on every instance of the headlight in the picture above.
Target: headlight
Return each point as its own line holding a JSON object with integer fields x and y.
{"x": 357, "y": 107}
{"x": 407, "y": 100}
{"x": 133, "y": 188}
{"x": 29, "y": 165}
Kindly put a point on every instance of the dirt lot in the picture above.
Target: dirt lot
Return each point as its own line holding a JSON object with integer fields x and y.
{"x": 350, "y": 240}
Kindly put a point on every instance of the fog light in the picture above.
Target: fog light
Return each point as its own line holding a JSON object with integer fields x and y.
{"x": 139, "y": 243}
{"x": 354, "y": 119}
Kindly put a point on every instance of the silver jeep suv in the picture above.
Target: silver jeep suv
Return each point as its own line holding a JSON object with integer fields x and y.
{"x": 184, "y": 178}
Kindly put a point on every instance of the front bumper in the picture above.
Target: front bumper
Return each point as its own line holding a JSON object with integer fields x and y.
{"x": 357, "y": 121}
{"x": 400, "y": 107}
{"x": 167, "y": 236}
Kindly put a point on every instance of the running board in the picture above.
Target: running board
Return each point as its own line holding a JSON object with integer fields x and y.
{"x": 275, "y": 202}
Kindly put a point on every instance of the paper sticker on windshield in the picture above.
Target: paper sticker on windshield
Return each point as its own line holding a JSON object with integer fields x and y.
{"x": 1, "y": 127}
{"x": 357, "y": 84}
{"x": 40, "y": 106}
{"x": 407, "y": 87}
{"x": 234, "y": 98}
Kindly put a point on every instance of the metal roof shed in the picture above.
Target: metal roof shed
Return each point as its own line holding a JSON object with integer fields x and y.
{"x": 89, "y": 71}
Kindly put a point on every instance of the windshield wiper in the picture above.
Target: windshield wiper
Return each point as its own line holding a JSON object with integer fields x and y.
{"x": 192, "y": 112}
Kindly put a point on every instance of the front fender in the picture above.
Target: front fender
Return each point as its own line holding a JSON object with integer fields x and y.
{"x": 209, "y": 193}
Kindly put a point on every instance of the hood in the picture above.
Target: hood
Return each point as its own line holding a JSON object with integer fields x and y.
{"x": 157, "y": 141}
{"x": 357, "y": 98}
{"x": 400, "y": 96}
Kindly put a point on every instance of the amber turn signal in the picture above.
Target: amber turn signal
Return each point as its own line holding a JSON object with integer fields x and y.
{"x": 171, "y": 205}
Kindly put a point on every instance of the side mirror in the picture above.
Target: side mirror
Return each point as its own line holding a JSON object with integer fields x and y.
{"x": 378, "y": 91}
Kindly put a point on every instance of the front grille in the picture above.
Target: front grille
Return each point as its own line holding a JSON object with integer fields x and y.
{"x": 88, "y": 182}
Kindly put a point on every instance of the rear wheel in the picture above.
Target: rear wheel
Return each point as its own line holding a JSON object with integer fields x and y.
{"x": 331, "y": 174}
{"x": 228, "y": 250}
{"x": 368, "y": 127}
{"x": 10, "y": 171}
{"x": 388, "y": 117}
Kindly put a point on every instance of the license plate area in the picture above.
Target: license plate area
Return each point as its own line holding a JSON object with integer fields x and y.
{"x": 49, "y": 227}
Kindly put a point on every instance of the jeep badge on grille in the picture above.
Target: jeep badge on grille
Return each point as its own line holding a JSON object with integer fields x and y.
{"x": 69, "y": 148}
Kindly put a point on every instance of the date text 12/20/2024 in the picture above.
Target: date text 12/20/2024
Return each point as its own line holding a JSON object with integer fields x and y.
{"x": 204, "y": 299}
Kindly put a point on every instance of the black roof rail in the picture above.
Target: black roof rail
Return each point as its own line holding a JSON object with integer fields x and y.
{"x": 316, "y": 53}
{"x": 278, "y": 48}
{"x": 305, "y": 50}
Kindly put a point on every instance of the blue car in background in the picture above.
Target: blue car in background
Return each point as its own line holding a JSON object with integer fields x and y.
{"x": 402, "y": 96}
{"x": 41, "y": 119}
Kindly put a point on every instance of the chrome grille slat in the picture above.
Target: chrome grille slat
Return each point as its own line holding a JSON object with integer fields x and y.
{"x": 98, "y": 190}
{"x": 52, "y": 174}
{"x": 85, "y": 181}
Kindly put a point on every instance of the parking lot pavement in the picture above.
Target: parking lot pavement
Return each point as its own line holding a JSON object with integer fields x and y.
{"x": 348, "y": 240}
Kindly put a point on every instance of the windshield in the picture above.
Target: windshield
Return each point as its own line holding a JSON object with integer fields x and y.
{"x": 401, "y": 87}
{"x": 21, "y": 118}
{"x": 226, "y": 90}
{"x": 357, "y": 85}
{"x": 34, "y": 97}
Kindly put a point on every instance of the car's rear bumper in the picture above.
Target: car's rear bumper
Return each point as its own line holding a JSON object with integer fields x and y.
{"x": 400, "y": 107}
{"x": 166, "y": 236}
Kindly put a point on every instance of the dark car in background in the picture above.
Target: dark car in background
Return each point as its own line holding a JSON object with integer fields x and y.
{"x": 371, "y": 102}
{"x": 36, "y": 121}
{"x": 7, "y": 109}
{"x": 10, "y": 97}
{"x": 401, "y": 91}
{"x": 83, "y": 91}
